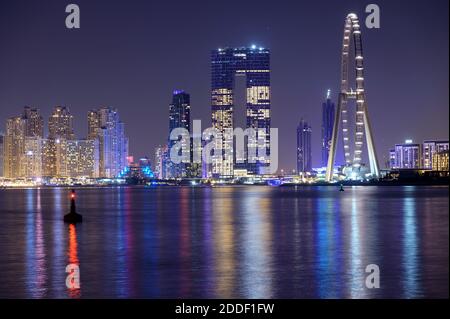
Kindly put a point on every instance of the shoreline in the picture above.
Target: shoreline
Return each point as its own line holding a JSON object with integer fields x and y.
{"x": 286, "y": 185}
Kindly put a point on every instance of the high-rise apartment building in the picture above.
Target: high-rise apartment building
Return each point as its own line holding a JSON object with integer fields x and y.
{"x": 28, "y": 125}
{"x": 105, "y": 126}
{"x": 34, "y": 122}
{"x": 82, "y": 158}
{"x": 60, "y": 124}
{"x": 429, "y": 148}
{"x": 161, "y": 166}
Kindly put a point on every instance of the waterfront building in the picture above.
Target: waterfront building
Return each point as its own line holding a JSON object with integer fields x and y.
{"x": 105, "y": 126}
{"x": 392, "y": 159}
{"x": 254, "y": 64}
{"x": 33, "y": 121}
{"x": 408, "y": 155}
{"x": 70, "y": 158}
{"x": 328, "y": 109}
{"x": 161, "y": 168}
{"x": 32, "y": 158}
{"x": 82, "y": 158}
{"x": 195, "y": 167}
{"x": 304, "y": 153}
{"x": 431, "y": 147}
{"x": 440, "y": 161}
{"x": 180, "y": 117}
{"x": 27, "y": 125}
{"x": 60, "y": 124}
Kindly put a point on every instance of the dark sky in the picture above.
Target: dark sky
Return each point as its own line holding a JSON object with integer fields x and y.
{"x": 133, "y": 54}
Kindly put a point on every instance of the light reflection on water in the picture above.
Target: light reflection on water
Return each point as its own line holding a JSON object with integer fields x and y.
{"x": 226, "y": 242}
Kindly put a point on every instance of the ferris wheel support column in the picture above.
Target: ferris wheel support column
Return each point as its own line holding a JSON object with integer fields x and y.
{"x": 334, "y": 137}
{"x": 373, "y": 160}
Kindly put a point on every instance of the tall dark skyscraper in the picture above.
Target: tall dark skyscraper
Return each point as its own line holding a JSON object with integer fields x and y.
{"x": 254, "y": 64}
{"x": 328, "y": 110}
{"x": 304, "y": 154}
{"x": 179, "y": 117}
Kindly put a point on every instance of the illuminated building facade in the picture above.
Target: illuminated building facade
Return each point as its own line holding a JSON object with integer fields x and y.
{"x": 60, "y": 124}
{"x": 139, "y": 172}
{"x": 408, "y": 155}
{"x": 440, "y": 161}
{"x": 194, "y": 169}
{"x": 179, "y": 117}
{"x": 82, "y": 158}
{"x": 304, "y": 152}
{"x": 18, "y": 129}
{"x": 105, "y": 126}
{"x": 254, "y": 64}
{"x": 34, "y": 122}
{"x": 328, "y": 109}
{"x": 50, "y": 157}
{"x": 392, "y": 159}
{"x": 429, "y": 148}
{"x": 162, "y": 159}
{"x": 32, "y": 158}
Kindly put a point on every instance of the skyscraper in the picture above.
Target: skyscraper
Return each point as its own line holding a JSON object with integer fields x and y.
{"x": 82, "y": 158}
{"x": 60, "y": 124}
{"x": 32, "y": 159}
{"x": 28, "y": 125}
{"x": 254, "y": 64}
{"x": 179, "y": 117}
{"x": 105, "y": 126}
{"x": 34, "y": 122}
{"x": 328, "y": 115}
{"x": 429, "y": 148}
{"x": 304, "y": 154}
{"x": 161, "y": 161}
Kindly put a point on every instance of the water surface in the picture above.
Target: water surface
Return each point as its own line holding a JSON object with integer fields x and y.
{"x": 226, "y": 242}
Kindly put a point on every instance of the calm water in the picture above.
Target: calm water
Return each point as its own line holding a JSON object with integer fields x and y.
{"x": 227, "y": 242}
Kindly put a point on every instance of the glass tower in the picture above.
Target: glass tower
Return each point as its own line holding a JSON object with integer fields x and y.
{"x": 105, "y": 126}
{"x": 179, "y": 117}
{"x": 304, "y": 154}
{"x": 254, "y": 64}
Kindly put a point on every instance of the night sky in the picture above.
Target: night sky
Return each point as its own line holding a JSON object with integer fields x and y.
{"x": 133, "y": 54}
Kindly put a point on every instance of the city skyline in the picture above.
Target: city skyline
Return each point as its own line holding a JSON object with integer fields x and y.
{"x": 246, "y": 151}
{"x": 295, "y": 91}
